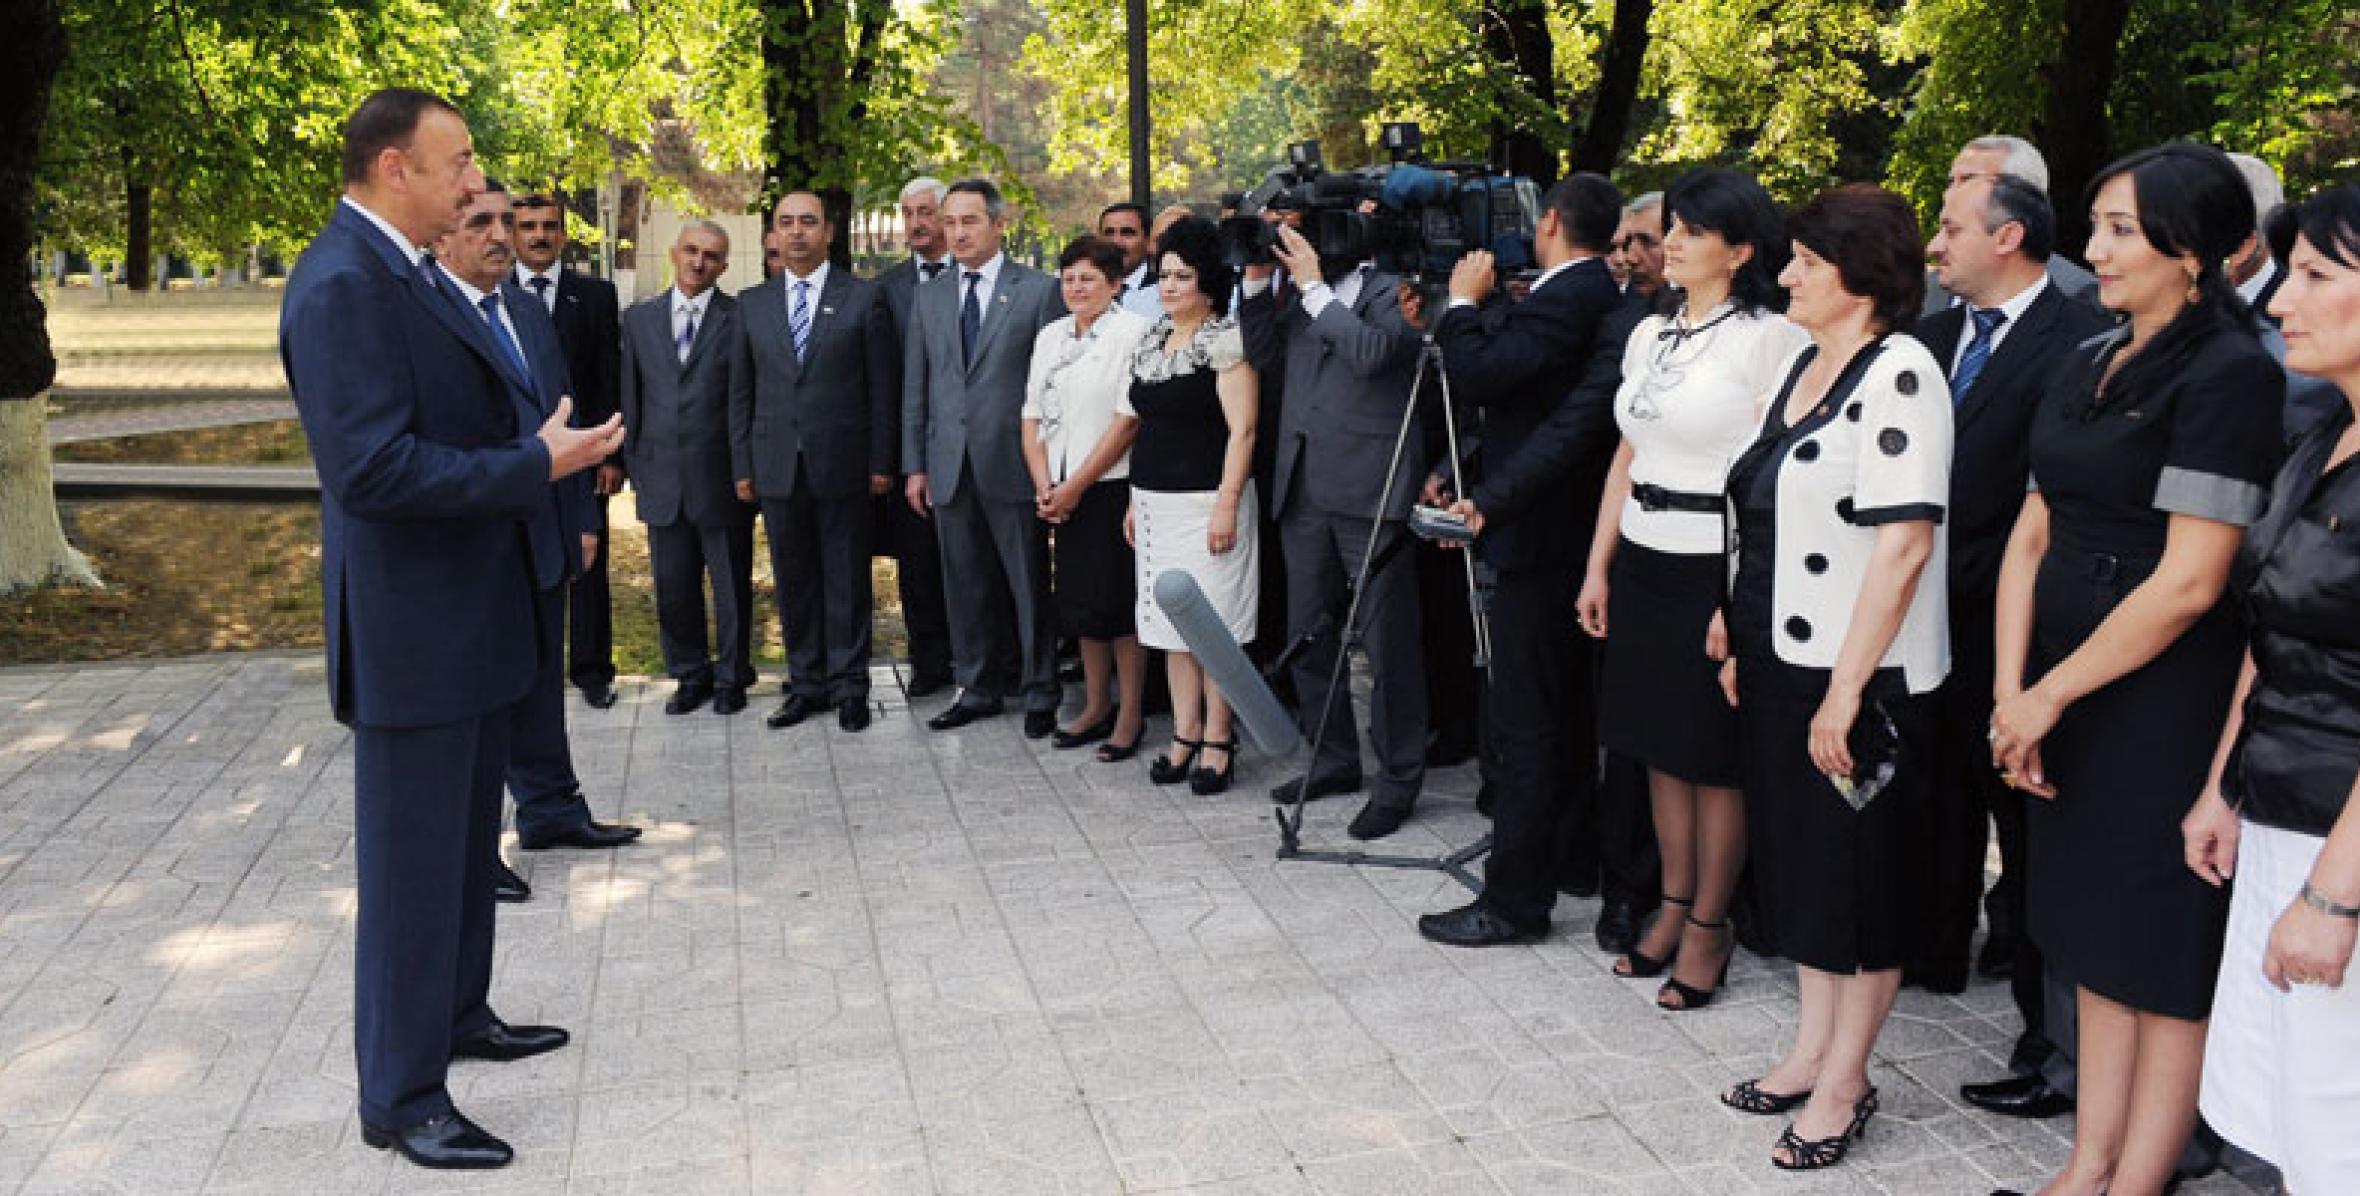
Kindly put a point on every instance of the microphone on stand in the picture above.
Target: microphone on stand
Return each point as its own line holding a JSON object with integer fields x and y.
{"x": 1216, "y": 651}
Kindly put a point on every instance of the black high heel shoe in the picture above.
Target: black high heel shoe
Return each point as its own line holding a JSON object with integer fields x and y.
{"x": 1816, "y": 1154}
{"x": 1750, "y": 1097}
{"x": 1204, "y": 782}
{"x": 1638, "y": 965}
{"x": 1111, "y": 752}
{"x": 1163, "y": 770}
{"x": 1065, "y": 740}
{"x": 1692, "y": 997}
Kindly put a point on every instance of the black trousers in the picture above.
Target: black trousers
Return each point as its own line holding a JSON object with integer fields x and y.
{"x": 1323, "y": 555}
{"x": 684, "y": 556}
{"x": 1454, "y": 689}
{"x": 590, "y": 636}
{"x": 1540, "y": 742}
{"x": 540, "y": 770}
{"x": 918, "y": 562}
{"x": 426, "y": 840}
{"x": 819, "y": 562}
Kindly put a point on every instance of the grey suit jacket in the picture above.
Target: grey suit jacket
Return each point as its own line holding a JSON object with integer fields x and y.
{"x": 833, "y": 418}
{"x": 1347, "y": 376}
{"x": 953, "y": 411}
{"x": 676, "y": 415}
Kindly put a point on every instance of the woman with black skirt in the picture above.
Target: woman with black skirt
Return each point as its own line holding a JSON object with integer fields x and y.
{"x": 1693, "y": 383}
{"x": 2117, "y": 656}
{"x": 1838, "y": 649}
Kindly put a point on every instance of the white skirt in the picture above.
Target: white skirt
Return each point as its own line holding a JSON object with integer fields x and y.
{"x": 2282, "y": 1070}
{"x": 1171, "y": 529}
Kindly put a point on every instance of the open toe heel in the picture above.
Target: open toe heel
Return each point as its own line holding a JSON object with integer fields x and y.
{"x": 1688, "y": 995}
{"x": 1639, "y": 965}
{"x": 1204, "y": 782}
{"x": 1163, "y": 770}
{"x": 1815, "y": 1154}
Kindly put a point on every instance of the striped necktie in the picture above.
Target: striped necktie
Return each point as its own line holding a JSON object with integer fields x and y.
{"x": 799, "y": 320}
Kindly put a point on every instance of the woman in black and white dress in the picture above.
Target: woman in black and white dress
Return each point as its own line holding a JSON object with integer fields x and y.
{"x": 1693, "y": 383}
{"x": 1192, "y": 494}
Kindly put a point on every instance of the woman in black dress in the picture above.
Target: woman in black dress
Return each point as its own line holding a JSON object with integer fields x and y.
{"x": 1838, "y": 649}
{"x": 2116, "y": 654}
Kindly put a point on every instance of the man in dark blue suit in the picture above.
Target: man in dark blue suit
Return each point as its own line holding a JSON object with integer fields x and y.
{"x": 1522, "y": 364}
{"x": 475, "y": 261}
{"x": 432, "y": 467}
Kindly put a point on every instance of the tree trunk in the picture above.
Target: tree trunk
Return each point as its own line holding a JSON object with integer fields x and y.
{"x": 1516, "y": 34}
{"x": 2075, "y": 134}
{"x": 1599, "y": 146}
{"x": 139, "y": 234}
{"x": 33, "y": 548}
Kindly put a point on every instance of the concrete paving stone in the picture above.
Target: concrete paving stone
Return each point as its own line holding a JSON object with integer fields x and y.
{"x": 1180, "y": 1141}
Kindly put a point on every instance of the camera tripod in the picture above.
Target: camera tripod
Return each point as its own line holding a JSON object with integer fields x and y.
{"x": 1375, "y": 556}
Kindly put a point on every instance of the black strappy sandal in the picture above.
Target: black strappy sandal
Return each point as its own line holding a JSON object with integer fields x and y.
{"x": 1821, "y": 1153}
{"x": 1692, "y": 997}
{"x": 1750, "y": 1097}
{"x": 1638, "y": 965}
{"x": 1165, "y": 771}
{"x": 1204, "y": 782}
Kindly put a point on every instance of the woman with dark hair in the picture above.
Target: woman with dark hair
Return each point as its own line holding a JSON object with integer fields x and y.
{"x": 1077, "y": 443}
{"x": 2117, "y": 655}
{"x": 2285, "y": 1038}
{"x": 1692, "y": 385}
{"x": 1837, "y": 651}
{"x": 1192, "y": 495}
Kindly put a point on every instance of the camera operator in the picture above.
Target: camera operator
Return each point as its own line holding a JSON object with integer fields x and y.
{"x": 1522, "y": 363}
{"x": 1347, "y": 359}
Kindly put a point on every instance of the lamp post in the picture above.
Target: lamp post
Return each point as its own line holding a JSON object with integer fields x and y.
{"x": 1135, "y": 27}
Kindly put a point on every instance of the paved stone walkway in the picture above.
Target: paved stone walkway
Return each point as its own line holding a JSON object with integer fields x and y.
{"x": 895, "y": 962}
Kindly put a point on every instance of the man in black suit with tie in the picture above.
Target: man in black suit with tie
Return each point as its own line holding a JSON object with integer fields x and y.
{"x": 815, "y": 436}
{"x": 2010, "y": 332}
{"x": 908, "y": 536}
{"x": 435, "y": 462}
{"x": 681, "y": 358}
{"x": 476, "y": 260}
{"x": 1521, "y": 366}
{"x": 585, "y": 313}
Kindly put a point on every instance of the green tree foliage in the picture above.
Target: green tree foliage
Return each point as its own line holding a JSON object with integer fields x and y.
{"x": 1759, "y": 81}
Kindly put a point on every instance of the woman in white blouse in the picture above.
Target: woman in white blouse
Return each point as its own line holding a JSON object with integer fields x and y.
{"x": 1693, "y": 382}
{"x": 1077, "y": 442}
{"x": 1837, "y": 651}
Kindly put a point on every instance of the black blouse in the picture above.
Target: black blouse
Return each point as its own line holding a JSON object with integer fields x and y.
{"x": 2299, "y": 573}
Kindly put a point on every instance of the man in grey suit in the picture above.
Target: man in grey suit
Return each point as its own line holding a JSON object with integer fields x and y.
{"x": 681, "y": 359}
{"x": 814, "y": 438}
{"x": 1348, "y": 358}
{"x": 969, "y": 349}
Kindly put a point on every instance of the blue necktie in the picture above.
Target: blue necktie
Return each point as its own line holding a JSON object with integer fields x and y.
{"x": 1978, "y": 353}
{"x": 970, "y": 319}
{"x": 799, "y": 320}
{"x": 491, "y": 314}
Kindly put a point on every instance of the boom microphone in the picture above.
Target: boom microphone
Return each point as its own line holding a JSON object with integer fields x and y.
{"x": 1216, "y": 651}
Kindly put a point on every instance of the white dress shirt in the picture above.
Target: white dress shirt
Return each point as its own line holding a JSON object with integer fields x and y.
{"x": 818, "y": 280}
{"x": 2014, "y": 309}
{"x": 1688, "y": 405}
{"x": 1139, "y": 295}
{"x": 983, "y": 287}
{"x": 473, "y": 298}
{"x": 2251, "y": 289}
{"x": 683, "y": 308}
{"x": 547, "y": 295}
{"x": 1346, "y": 290}
{"x": 385, "y": 226}
{"x": 1076, "y": 385}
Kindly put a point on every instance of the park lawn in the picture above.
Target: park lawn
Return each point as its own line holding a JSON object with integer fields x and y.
{"x": 278, "y": 442}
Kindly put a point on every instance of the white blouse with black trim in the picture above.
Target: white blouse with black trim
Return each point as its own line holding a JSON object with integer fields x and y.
{"x": 1884, "y": 458}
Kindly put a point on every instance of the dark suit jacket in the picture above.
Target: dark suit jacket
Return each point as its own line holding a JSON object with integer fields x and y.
{"x": 676, "y": 415}
{"x": 425, "y": 479}
{"x": 1521, "y": 367}
{"x": 835, "y": 417}
{"x": 1991, "y": 449}
{"x": 954, "y": 411}
{"x": 570, "y": 514}
{"x": 589, "y": 327}
{"x": 1347, "y": 376}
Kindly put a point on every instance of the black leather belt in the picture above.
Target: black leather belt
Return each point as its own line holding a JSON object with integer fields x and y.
{"x": 1652, "y": 497}
{"x": 2105, "y": 567}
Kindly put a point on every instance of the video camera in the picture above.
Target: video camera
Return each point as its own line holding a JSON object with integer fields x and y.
{"x": 1422, "y": 216}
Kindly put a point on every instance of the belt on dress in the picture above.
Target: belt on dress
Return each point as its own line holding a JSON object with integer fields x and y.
{"x": 1652, "y": 497}
{"x": 2105, "y": 567}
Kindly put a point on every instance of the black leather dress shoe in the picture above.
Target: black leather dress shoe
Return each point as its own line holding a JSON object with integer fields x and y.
{"x": 794, "y": 710}
{"x": 504, "y": 1043}
{"x": 962, "y": 713}
{"x": 729, "y": 699}
{"x": 598, "y": 695}
{"x": 1039, "y": 724}
{"x": 926, "y": 685}
{"x": 1474, "y": 925}
{"x": 1618, "y": 926}
{"x": 592, "y": 835}
{"x": 852, "y": 714}
{"x": 1320, "y": 787}
{"x": 1377, "y": 821}
{"x": 2017, "y": 1096}
{"x": 509, "y": 887}
{"x": 687, "y": 696}
{"x": 446, "y": 1143}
